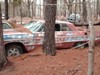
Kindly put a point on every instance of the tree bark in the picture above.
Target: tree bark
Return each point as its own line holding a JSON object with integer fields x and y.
{"x": 21, "y": 16}
{"x": 84, "y": 11}
{"x": 91, "y": 42}
{"x": 49, "y": 28}
{"x": 63, "y": 8}
{"x": 80, "y": 9}
{"x": 70, "y": 6}
{"x": 98, "y": 8}
{"x": 13, "y": 9}
{"x": 34, "y": 8}
{"x": 3, "y": 59}
{"x": 6, "y": 10}
{"x": 44, "y": 8}
{"x": 29, "y": 12}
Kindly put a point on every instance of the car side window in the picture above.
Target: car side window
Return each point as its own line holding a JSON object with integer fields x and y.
{"x": 64, "y": 27}
{"x": 57, "y": 27}
{"x": 6, "y": 26}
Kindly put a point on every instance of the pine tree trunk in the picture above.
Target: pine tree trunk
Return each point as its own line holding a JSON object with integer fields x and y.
{"x": 29, "y": 12}
{"x": 70, "y": 6}
{"x": 13, "y": 9}
{"x": 98, "y": 8}
{"x": 3, "y": 60}
{"x": 44, "y": 8}
{"x": 84, "y": 11}
{"x": 91, "y": 42}
{"x": 6, "y": 9}
{"x": 34, "y": 8}
{"x": 49, "y": 38}
{"x": 64, "y": 11}
{"x": 21, "y": 16}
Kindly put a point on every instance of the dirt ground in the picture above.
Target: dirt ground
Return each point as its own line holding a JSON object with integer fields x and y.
{"x": 66, "y": 62}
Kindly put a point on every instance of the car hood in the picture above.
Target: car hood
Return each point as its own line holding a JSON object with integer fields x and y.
{"x": 13, "y": 34}
{"x": 12, "y": 31}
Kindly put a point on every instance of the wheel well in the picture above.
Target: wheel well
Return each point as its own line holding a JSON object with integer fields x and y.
{"x": 18, "y": 44}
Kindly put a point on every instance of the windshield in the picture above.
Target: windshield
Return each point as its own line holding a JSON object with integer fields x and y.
{"x": 37, "y": 26}
{"x": 28, "y": 25}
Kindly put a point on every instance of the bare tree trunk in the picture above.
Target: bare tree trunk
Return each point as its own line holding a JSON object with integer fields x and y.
{"x": 6, "y": 9}
{"x": 40, "y": 9}
{"x": 84, "y": 11}
{"x": 70, "y": 6}
{"x": 13, "y": 9}
{"x": 91, "y": 42}
{"x": 44, "y": 8}
{"x": 21, "y": 16}
{"x": 61, "y": 1}
{"x": 98, "y": 8}
{"x": 63, "y": 8}
{"x": 32, "y": 8}
{"x": 49, "y": 38}
{"x": 80, "y": 5}
{"x": 29, "y": 12}
{"x": 64, "y": 11}
{"x": 94, "y": 9}
{"x": 3, "y": 59}
{"x": 75, "y": 11}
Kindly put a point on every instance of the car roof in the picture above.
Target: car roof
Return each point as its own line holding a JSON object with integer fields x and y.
{"x": 57, "y": 21}
{"x": 71, "y": 25}
{"x": 17, "y": 27}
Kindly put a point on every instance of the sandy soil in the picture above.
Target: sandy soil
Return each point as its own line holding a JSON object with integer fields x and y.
{"x": 66, "y": 62}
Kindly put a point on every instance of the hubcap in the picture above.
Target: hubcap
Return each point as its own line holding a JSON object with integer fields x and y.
{"x": 13, "y": 52}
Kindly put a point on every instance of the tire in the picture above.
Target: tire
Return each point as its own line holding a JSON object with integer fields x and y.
{"x": 13, "y": 50}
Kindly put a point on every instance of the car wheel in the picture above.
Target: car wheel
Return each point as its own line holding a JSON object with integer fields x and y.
{"x": 13, "y": 50}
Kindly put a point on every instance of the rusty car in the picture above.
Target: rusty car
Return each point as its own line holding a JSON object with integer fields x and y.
{"x": 16, "y": 41}
{"x": 66, "y": 34}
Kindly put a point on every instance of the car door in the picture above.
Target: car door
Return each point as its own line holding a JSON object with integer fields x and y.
{"x": 63, "y": 31}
